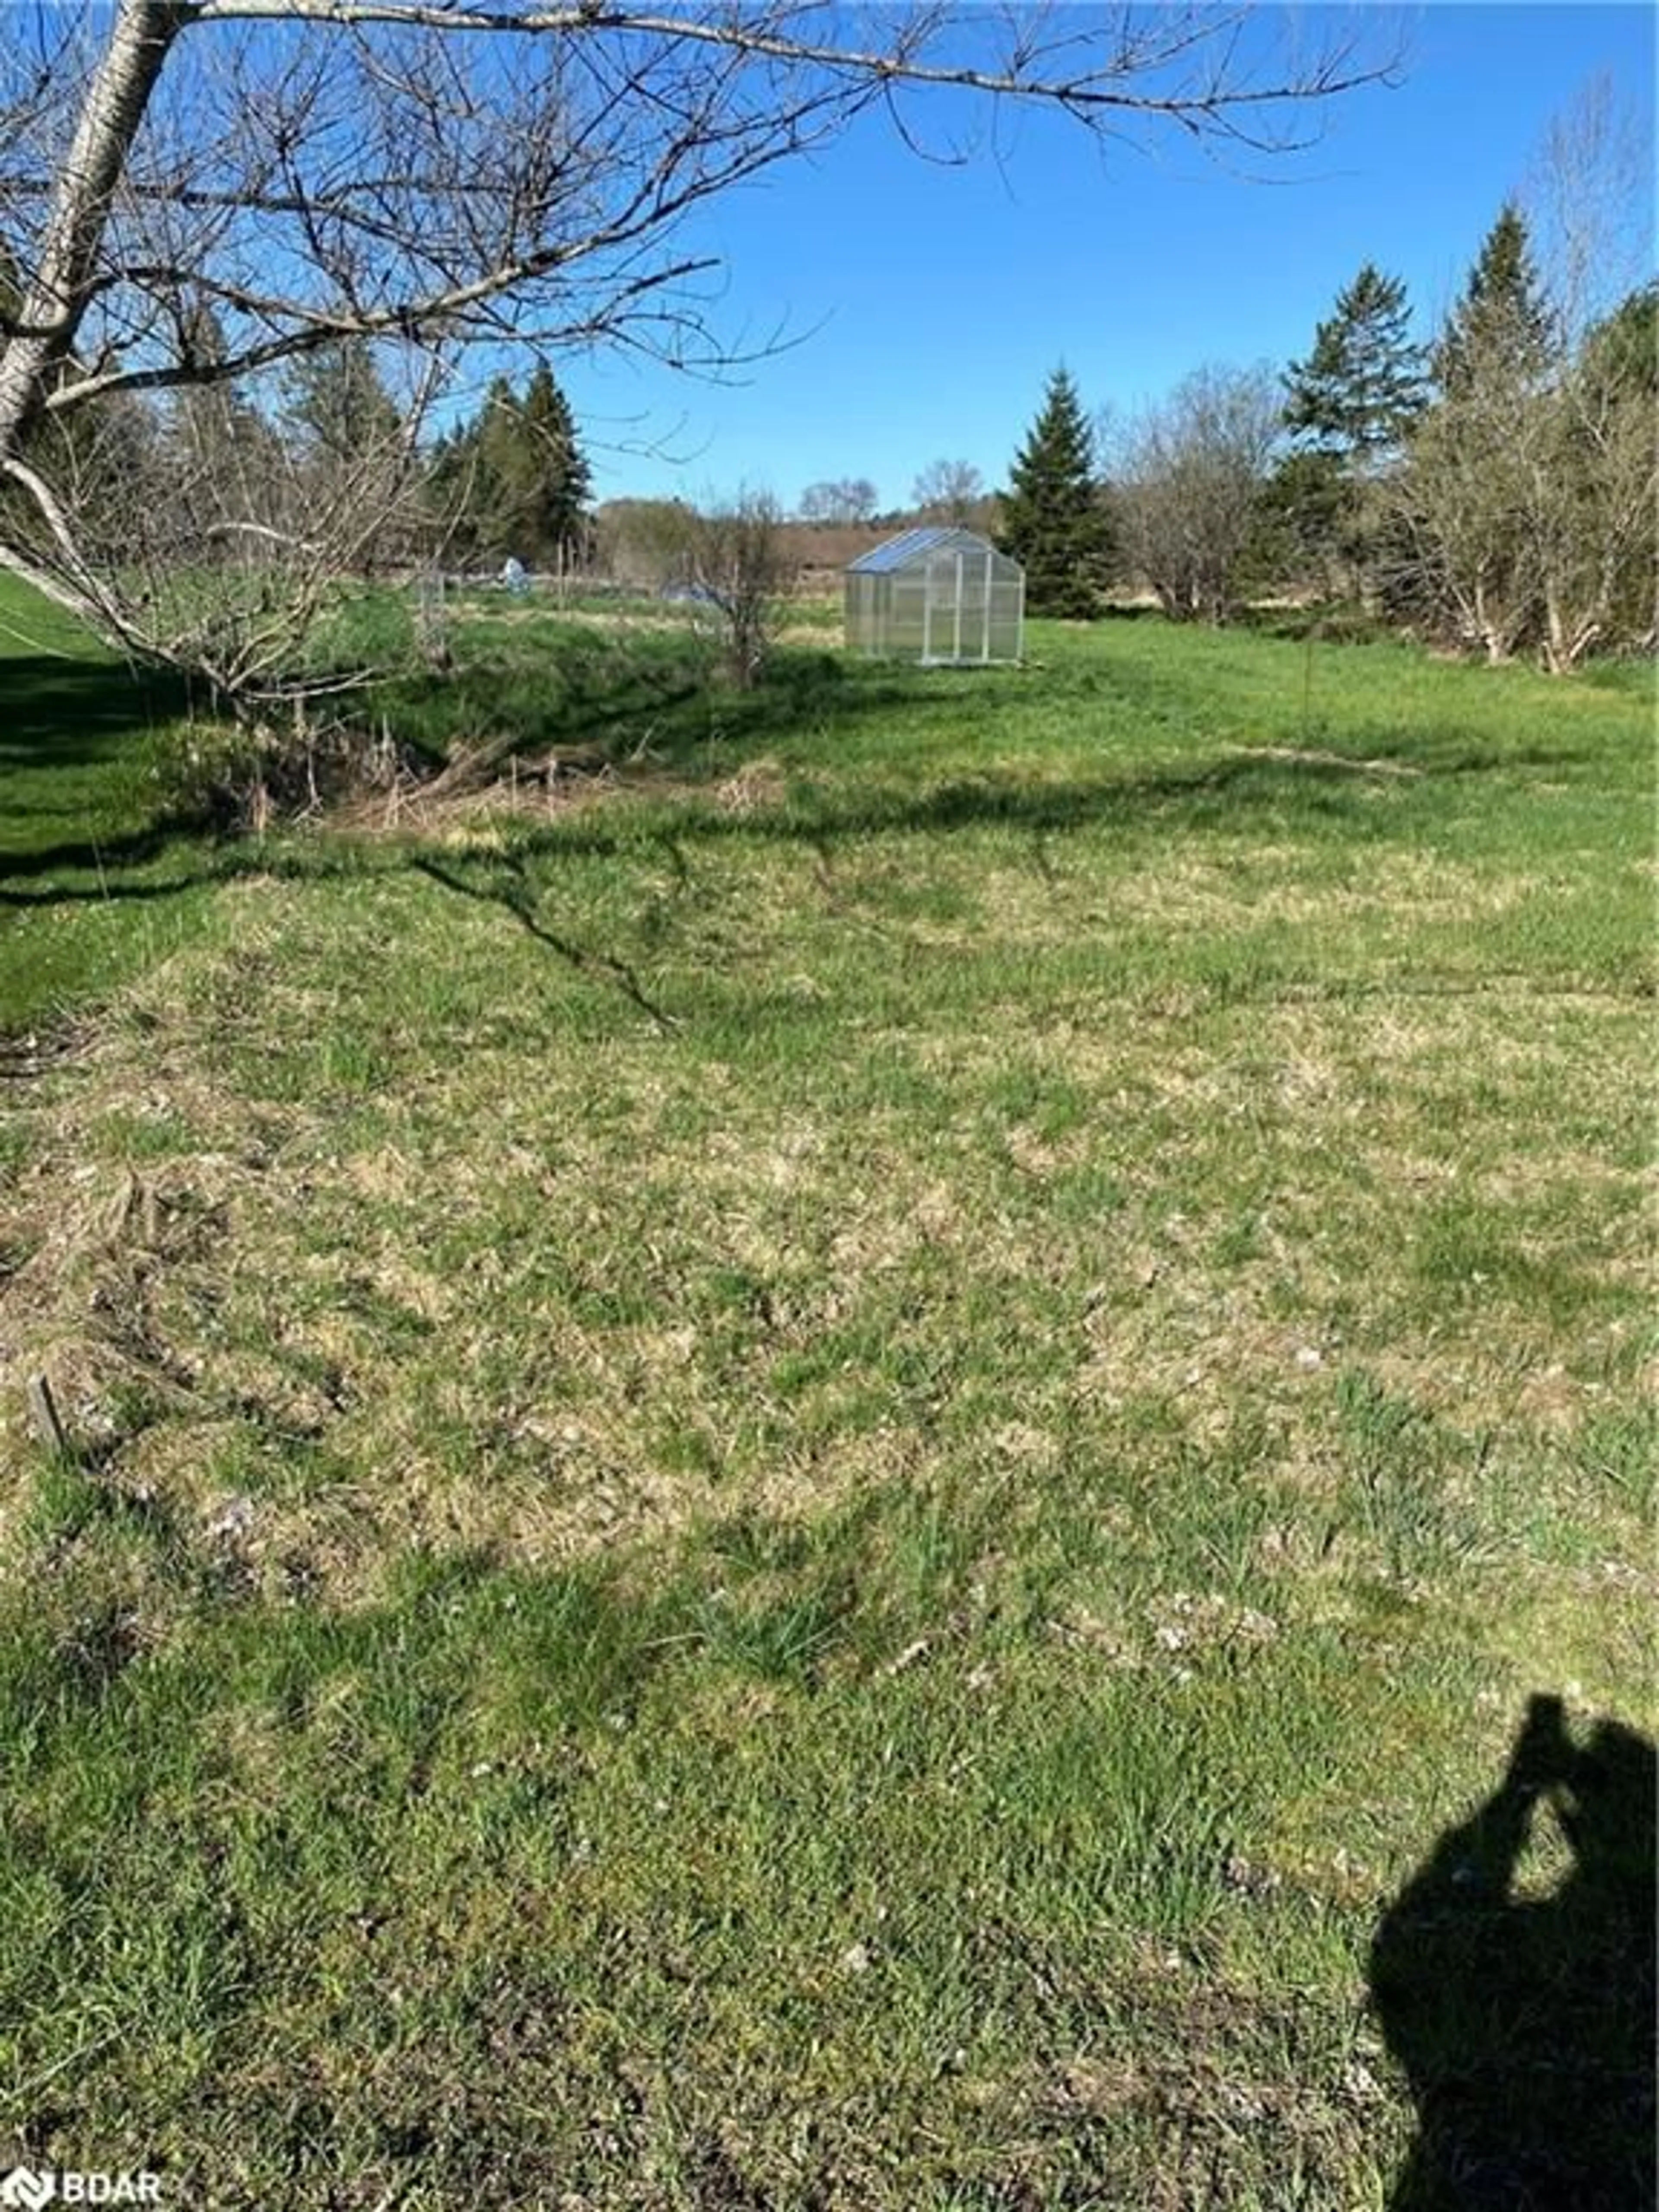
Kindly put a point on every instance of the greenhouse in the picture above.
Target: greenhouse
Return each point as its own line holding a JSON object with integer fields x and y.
{"x": 942, "y": 596}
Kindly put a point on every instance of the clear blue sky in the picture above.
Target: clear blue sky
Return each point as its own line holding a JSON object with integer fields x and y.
{"x": 929, "y": 304}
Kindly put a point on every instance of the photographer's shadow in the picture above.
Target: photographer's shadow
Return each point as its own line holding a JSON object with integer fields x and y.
{"x": 1525, "y": 2021}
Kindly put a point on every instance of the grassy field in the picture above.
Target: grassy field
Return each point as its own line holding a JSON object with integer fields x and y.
{"x": 84, "y": 815}
{"x": 815, "y": 1472}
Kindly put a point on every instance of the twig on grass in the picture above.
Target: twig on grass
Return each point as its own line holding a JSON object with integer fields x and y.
{"x": 45, "y": 1419}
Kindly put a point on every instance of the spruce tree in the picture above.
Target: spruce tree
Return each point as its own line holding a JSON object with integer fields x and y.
{"x": 559, "y": 485}
{"x": 529, "y": 483}
{"x": 497, "y": 488}
{"x": 1501, "y": 316}
{"x": 348, "y": 437}
{"x": 226, "y": 460}
{"x": 450, "y": 494}
{"x": 1350, "y": 406}
{"x": 1363, "y": 383}
{"x": 1622, "y": 353}
{"x": 1054, "y": 522}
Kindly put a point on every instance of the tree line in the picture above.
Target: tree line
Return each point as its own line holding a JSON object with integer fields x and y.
{"x": 945, "y": 491}
{"x": 513, "y": 482}
{"x": 231, "y": 354}
{"x": 1493, "y": 487}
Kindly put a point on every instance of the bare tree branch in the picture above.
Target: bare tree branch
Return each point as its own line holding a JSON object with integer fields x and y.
{"x": 197, "y": 193}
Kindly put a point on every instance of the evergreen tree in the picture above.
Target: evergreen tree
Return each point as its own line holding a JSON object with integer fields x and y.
{"x": 208, "y": 422}
{"x": 354, "y": 462}
{"x": 339, "y": 403}
{"x": 1308, "y": 520}
{"x": 1528, "y": 491}
{"x": 1608, "y": 445}
{"x": 1054, "y": 520}
{"x": 1622, "y": 352}
{"x": 451, "y": 475}
{"x": 1501, "y": 318}
{"x": 497, "y": 496}
{"x": 224, "y": 462}
{"x": 1363, "y": 383}
{"x": 1350, "y": 406}
{"x": 514, "y": 480}
{"x": 556, "y": 482}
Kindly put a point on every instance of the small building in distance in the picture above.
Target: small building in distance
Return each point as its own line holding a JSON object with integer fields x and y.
{"x": 943, "y": 598}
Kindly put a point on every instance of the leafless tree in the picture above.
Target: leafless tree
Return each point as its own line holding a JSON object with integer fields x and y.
{"x": 948, "y": 491}
{"x": 645, "y": 542}
{"x": 1525, "y": 507}
{"x": 844, "y": 500}
{"x": 428, "y": 176}
{"x": 209, "y": 534}
{"x": 1188, "y": 478}
{"x": 741, "y": 575}
{"x": 1524, "y": 516}
{"x": 1588, "y": 198}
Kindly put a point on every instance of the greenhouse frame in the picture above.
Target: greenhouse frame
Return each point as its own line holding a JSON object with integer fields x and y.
{"x": 943, "y": 598}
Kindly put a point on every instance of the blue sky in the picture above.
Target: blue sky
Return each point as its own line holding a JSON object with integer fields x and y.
{"x": 929, "y": 304}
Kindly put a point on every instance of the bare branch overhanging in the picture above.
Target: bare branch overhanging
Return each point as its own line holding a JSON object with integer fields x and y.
{"x": 209, "y": 189}
{"x": 626, "y": 121}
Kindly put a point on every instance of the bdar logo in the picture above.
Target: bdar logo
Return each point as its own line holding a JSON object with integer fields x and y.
{"x": 23, "y": 2189}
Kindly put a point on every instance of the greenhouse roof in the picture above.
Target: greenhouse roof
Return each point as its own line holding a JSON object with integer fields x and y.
{"x": 900, "y": 550}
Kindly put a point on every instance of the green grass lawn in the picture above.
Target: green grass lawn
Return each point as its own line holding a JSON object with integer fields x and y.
{"x": 804, "y": 1483}
{"x": 95, "y": 885}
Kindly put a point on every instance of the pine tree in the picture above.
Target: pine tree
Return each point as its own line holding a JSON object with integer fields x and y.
{"x": 1622, "y": 351}
{"x": 1528, "y": 496}
{"x": 526, "y": 477}
{"x": 1607, "y": 399}
{"x": 449, "y": 465}
{"x": 1363, "y": 383}
{"x": 225, "y": 462}
{"x": 1350, "y": 406}
{"x": 497, "y": 496}
{"x": 1053, "y": 521}
{"x": 1501, "y": 316}
{"x": 350, "y": 445}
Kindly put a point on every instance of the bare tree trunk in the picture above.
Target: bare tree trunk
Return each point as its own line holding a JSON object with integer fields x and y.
{"x": 119, "y": 91}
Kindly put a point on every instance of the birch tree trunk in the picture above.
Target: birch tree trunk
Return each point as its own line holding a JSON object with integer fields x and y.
{"x": 55, "y": 299}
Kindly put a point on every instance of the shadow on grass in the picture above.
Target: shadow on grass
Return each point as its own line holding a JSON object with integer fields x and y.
{"x": 668, "y": 713}
{"x": 1235, "y": 791}
{"x": 510, "y": 891}
{"x": 1525, "y": 2024}
{"x": 1239, "y": 789}
{"x": 106, "y": 858}
{"x": 72, "y": 714}
{"x": 616, "y": 699}
{"x": 648, "y": 710}
{"x": 74, "y": 800}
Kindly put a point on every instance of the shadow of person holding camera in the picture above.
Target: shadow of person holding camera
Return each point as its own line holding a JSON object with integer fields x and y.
{"x": 1525, "y": 2023}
